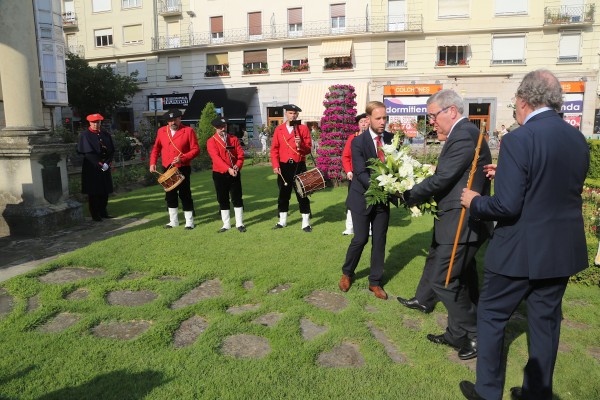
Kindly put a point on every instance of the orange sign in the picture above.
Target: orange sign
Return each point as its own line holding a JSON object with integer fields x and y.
{"x": 411, "y": 90}
{"x": 573, "y": 87}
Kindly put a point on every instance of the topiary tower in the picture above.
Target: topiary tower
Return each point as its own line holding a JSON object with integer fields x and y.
{"x": 337, "y": 124}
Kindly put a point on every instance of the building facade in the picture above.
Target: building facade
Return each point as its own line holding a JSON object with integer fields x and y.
{"x": 251, "y": 58}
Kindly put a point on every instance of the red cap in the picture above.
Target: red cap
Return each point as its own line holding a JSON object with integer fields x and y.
{"x": 94, "y": 117}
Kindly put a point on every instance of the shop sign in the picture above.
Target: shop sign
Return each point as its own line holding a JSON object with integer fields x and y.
{"x": 573, "y": 87}
{"x": 573, "y": 119}
{"x": 405, "y": 105}
{"x": 411, "y": 90}
{"x": 408, "y": 124}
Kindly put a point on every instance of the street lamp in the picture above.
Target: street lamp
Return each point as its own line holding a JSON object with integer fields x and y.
{"x": 155, "y": 118}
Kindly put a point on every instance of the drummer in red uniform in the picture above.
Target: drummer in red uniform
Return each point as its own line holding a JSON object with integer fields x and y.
{"x": 363, "y": 124}
{"x": 227, "y": 158}
{"x": 290, "y": 144}
{"x": 178, "y": 146}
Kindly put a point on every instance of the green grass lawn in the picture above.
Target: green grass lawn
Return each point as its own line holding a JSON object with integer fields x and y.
{"x": 74, "y": 364}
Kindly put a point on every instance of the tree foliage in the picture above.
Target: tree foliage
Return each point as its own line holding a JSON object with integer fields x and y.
{"x": 97, "y": 89}
{"x": 205, "y": 129}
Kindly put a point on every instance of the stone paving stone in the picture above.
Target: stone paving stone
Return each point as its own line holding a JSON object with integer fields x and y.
{"x": 310, "y": 330}
{"x": 576, "y": 303}
{"x": 78, "y": 294}
{"x": 569, "y": 323}
{"x": 188, "y": 331}
{"x": 412, "y": 324}
{"x": 564, "y": 347}
{"x": 471, "y": 364}
{"x": 280, "y": 288}
{"x": 133, "y": 276}
{"x": 6, "y": 303}
{"x": 130, "y": 298}
{"x": 248, "y": 285}
{"x": 59, "y": 323}
{"x": 370, "y": 309}
{"x": 33, "y": 303}
{"x": 389, "y": 347}
{"x": 328, "y": 301}
{"x": 206, "y": 290}
{"x": 344, "y": 355}
{"x": 269, "y": 319}
{"x": 441, "y": 320}
{"x": 70, "y": 274}
{"x": 169, "y": 278}
{"x": 236, "y": 310}
{"x": 594, "y": 352}
{"x": 120, "y": 330}
{"x": 246, "y": 346}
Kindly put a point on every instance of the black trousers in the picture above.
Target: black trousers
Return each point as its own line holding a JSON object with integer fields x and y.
{"x": 378, "y": 219}
{"x": 288, "y": 171}
{"x": 97, "y": 204}
{"x": 225, "y": 185}
{"x": 183, "y": 191}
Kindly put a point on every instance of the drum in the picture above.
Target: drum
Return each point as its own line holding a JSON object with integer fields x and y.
{"x": 309, "y": 182}
{"x": 171, "y": 179}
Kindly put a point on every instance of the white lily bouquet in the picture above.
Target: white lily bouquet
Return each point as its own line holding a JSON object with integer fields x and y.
{"x": 399, "y": 172}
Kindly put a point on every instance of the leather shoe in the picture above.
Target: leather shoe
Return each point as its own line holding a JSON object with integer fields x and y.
{"x": 516, "y": 393}
{"x": 441, "y": 339}
{"x": 307, "y": 228}
{"x": 241, "y": 228}
{"x": 222, "y": 230}
{"x": 468, "y": 390}
{"x": 278, "y": 226}
{"x": 415, "y": 305}
{"x": 468, "y": 350}
{"x": 378, "y": 292}
{"x": 345, "y": 283}
{"x": 189, "y": 228}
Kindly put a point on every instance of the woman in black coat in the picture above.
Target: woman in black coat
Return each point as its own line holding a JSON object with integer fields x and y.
{"x": 96, "y": 180}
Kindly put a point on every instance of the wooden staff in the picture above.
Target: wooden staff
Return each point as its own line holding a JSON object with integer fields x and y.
{"x": 464, "y": 210}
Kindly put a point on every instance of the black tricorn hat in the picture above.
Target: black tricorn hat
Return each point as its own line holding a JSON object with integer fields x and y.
{"x": 360, "y": 116}
{"x": 218, "y": 122}
{"x": 172, "y": 114}
{"x": 292, "y": 107}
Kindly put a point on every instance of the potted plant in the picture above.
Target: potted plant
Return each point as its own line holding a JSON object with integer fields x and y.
{"x": 441, "y": 63}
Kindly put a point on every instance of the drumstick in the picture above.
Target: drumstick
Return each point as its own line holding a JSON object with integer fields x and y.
{"x": 284, "y": 182}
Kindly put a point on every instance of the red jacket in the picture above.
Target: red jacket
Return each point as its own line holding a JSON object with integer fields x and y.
{"x": 347, "y": 154}
{"x": 223, "y": 159}
{"x": 184, "y": 140}
{"x": 283, "y": 146}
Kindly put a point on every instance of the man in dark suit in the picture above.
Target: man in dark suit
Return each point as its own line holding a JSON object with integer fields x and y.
{"x": 365, "y": 147}
{"x": 539, "y": 239}
{"x": 445, "y": 111}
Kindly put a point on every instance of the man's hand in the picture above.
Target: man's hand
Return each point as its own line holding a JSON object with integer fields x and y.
{"x": 490, "y": 171}
{"x": 467, "y": 196}
{"x": 232, "y": 172}
{"x": 297, "y": 139}
{"x": 176, "y": 160}
{"x": 153, "y": 168}
{"x": 277, "y": 171}
{"x": 349, "y": 175}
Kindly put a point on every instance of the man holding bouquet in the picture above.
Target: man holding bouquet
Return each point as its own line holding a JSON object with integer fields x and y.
{"x": 365, "y": 147}
{"x": 445, "y": 111}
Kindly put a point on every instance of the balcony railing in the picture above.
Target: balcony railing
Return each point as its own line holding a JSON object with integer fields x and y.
{"x": 169, "y": 7}
{"x": 69, "y": 20}
{"x": 408, "y": 22}
{"x": 568, "y": 15}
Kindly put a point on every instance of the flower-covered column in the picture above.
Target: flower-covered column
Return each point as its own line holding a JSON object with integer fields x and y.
{"x": 337, "y": 124}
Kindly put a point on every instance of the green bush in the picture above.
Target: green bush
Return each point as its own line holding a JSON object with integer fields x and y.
{"x": 594, "y": 171}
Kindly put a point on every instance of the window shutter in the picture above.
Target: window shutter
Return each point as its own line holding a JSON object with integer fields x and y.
{"x": 217, "y": 59}
{"x": 569, "y": 45}
{"x": 255, "y": 56}
{"x": 510, "y": 6}
{"x": 453, "y": 8}
{"x": 174, "y": 64}
{"x": 338, "y": 10}
{"x": 255, "y": 23}
{"x": 508, "y": 48}
{"x": 295, "y": 53}
{"x": 294, "y": 15}
{"x": 396, "y": 50}
{"x": 216, "y": 24}
{"x": 132, "y": 34}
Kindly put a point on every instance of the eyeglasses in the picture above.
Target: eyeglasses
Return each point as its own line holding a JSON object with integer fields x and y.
{"x": 432, "y": 117}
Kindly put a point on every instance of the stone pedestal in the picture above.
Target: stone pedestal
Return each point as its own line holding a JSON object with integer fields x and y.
{"x": 34, "y": 200}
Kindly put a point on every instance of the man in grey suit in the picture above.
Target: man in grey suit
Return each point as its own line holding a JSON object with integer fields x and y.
{"x": 364, "y": 148}
{"x": 538, "y": 242}
{"x": 445, "y": 110}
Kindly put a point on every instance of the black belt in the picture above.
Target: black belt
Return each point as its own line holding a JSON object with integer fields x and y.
{"x": 290, "y": 161}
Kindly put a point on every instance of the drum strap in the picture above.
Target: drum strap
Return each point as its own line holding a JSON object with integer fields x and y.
{"x": 171, "y": 140}
{"x": 288, "y": 145}
{"x": 224, "y": 145}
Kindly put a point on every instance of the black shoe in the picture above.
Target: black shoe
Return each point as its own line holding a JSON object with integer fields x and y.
{"x": 468, "y": 390}
{"x": 106, "y": 216}
{"x": 307, "y": 228}
{"x": 189, "y": 228}
{"x": 468, "y": 350}
{"x": 516, "y": 393}
{"x": 278, "y": 226}
{"x": 415, "y": 305}
{"x": 222, "y": 230}
{"x": 167, "y": 226}
{"x": 441, "y": 339}
{"x": 241, "y": 228}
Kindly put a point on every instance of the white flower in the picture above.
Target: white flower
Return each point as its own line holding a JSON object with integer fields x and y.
{"x": 415, "y": 212}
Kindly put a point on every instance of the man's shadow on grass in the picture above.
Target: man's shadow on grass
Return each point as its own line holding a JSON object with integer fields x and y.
{"x": 113, "y": 385}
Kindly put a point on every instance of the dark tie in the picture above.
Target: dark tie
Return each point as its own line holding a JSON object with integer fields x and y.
{"x": 379, "y": 151}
